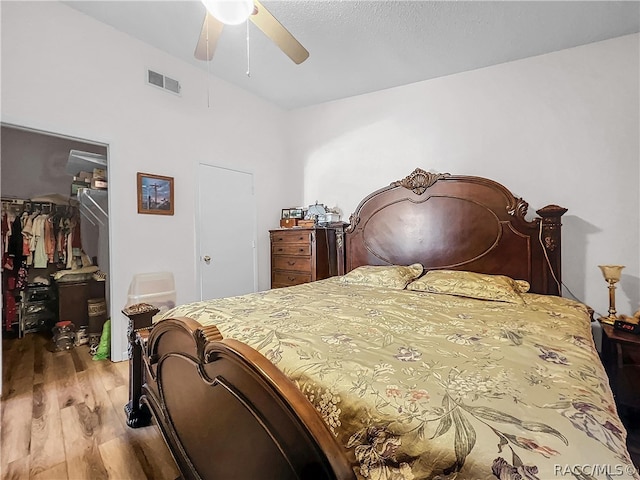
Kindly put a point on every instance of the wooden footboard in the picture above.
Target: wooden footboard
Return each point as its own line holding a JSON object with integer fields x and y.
{"x": 224, "y": 410}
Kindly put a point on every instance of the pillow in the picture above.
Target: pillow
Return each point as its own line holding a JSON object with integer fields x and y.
{"x": 386, "y": 276}
{"x": 522, "y": 285}
{"x": 498, "y": 288}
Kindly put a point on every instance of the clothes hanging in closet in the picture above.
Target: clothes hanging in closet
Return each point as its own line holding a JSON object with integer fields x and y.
{"x": 47, "y": 235}
{"x": 14, "y": 269}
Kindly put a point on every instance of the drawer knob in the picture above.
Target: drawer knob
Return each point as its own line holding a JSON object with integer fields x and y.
{"x": 301, "y": 250}
{"x": 291, "y": 263}
{"x": 291, "y": 279}
{"x": 280, "y": 249}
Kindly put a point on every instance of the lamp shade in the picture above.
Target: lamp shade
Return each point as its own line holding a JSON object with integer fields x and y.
{"x": 229, "y": 12}
{"x": 611, "y": 272}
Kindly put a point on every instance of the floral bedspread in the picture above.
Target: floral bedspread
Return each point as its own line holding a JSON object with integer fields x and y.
{"x": 426, "y": 386}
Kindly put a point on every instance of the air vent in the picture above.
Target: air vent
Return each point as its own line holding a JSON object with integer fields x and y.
{"x": 159, "y": 80}
{"x": 172, "y": 85}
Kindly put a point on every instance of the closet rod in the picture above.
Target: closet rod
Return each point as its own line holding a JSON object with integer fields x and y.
{"x": 28, "y": 205}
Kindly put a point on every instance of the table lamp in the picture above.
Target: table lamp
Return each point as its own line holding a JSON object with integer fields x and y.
{"x": 611, "y": 274}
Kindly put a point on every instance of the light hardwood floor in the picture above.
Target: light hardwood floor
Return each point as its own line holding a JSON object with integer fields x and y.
{"x": 63, "y": 418}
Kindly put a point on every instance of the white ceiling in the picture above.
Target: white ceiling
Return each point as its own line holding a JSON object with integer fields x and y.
{"x": 363, "y": 46}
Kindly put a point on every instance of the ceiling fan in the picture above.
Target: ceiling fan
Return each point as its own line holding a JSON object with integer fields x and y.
{"x": 234, "y": 12}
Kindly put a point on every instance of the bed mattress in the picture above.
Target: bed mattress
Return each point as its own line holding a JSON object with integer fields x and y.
{"x": 422, "y": 385}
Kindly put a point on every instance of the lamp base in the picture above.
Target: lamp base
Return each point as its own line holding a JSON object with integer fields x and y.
{"x": 610, "y": 320}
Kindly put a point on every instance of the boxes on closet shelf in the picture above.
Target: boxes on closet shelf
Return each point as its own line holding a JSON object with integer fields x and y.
{"x": 75, "y": 186}
{"x": 157, "y": 289}
{"x": 85, "y": 176}
{"x": 99, "y": 183}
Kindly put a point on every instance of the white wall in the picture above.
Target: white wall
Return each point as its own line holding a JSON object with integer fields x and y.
{"x": 559, "y": 128}
{"x": 66, "y": 73}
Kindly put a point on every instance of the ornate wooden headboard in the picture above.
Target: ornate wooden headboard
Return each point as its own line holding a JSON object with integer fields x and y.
{"x": 456, "y": 222}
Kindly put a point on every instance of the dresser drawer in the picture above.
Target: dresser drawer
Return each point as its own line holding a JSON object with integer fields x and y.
{"x": 288, "y": 279}
{"x": 299, "y": 264}
{"x": 291, "y": 249}
{"x": 293, "y": 236}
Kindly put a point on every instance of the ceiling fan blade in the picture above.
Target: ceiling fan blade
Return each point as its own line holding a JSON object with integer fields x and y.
{"x": 273, "y": 29}
{"x": 211, "y": 29}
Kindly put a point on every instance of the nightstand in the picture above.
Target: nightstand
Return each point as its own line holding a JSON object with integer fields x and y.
{"x": 621, "y": 358}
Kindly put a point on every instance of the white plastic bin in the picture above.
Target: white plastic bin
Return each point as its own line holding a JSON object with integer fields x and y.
{"x": 157, "y": 289}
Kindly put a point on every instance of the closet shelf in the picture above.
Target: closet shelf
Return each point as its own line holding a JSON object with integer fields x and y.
{"x": 84, "y": 161}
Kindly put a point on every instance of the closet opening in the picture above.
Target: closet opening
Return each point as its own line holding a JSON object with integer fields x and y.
{"x": 55, "y": 237}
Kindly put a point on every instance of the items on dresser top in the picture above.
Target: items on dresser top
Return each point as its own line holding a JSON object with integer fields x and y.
{"x": 302, "y": 255}
{"x": 292, "y": 217}
{"x": 317, "y": 214}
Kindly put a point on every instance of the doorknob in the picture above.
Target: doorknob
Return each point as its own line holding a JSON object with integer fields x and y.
{"x": 207, "y": 259}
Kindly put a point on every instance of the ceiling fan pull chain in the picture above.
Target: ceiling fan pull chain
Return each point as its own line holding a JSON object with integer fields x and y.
{"x": 208, "y": 86}
{"x": 248, "y": 55}
{"x": 208, "y": 64}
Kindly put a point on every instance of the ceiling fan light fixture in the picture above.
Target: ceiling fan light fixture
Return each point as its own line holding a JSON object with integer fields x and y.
{"x": 230, "y": 12}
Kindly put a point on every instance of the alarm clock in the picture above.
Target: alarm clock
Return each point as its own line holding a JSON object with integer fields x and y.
{"x": 626, "y": 326}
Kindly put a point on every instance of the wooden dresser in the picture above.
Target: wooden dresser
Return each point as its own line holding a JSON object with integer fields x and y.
{"x": 301, "y": 255}
{"x": 72, "y": 300}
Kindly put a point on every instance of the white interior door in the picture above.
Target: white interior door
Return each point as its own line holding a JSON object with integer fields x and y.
{"x": 227, "y": 232}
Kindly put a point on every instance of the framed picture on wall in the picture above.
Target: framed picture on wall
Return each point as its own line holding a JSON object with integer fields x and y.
{"x": 155, "y": 194}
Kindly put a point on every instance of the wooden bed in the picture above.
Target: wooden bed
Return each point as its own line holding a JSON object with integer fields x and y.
{"x": 227, "y": 412}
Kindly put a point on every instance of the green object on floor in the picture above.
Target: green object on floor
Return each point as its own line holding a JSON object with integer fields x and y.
{"x": 104, "y": 347}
